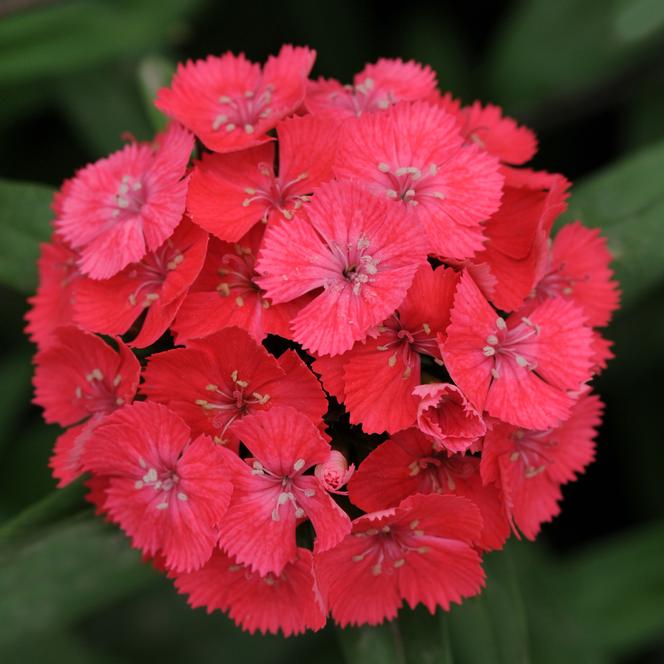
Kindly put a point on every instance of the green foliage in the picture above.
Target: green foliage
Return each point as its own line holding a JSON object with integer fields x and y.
{"x": 626, "y": 201}
{"x": 552, "y": 50}
{"x": 25, "y": 217}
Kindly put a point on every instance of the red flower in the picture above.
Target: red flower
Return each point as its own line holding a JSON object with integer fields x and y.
{"x": 226, "y": 295}
{"x": 522, "y": 369}
{"x": 445, "y": 414}
{"x": 53, "y": 304}
{"x": 499, "y": 135}
{"x": 272, "y": 495}
{"x": 167, "y": 492}
{"x": 579, "y": 270}
{"x": 157, "y": 285}
{"x": 410, "y": 463}
{"x": 334, "y": 473}
{"x": 79, "y": 379}
{"x": 530, "y": 466}
{"x": 230, "y": 193}
{"x": 116, "y": 210}
{"x": 359, "y": 254}
{"x": 516, "y": 251}
{"x": 375, "y": 88}
{"x": 216, "y": 381}
{"x": 421, "y": 551}
{"x": 289, "y": 602}
{"x": 375, "y": 379}
{"x": 414, "y": 156}
{"x": 231, "y": 103}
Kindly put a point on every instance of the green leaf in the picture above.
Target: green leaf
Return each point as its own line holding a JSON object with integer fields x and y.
{"x": 49, "y": 581}
{"x": 67, "y": 37}
{"x": 48, "y": 510}
{"x": 25, "y": 215}
{"x": 104, "y": 105}
{"x": 551, "y": 50}
{"x": 626, "y": 200}
{"x": 615, "y": 589}
{"x": 15, "y": 373}
{"x": 492, "y": 626}
{"x": 373, "y": 645}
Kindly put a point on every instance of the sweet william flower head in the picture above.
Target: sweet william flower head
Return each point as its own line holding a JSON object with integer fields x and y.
{"x": 363, "y": 354}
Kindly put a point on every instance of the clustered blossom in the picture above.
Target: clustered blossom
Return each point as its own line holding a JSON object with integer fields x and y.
{"x": 320, "y": 366}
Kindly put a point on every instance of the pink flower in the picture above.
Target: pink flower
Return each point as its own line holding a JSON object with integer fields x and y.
{"x": 53, "y": 304}
{"x": 523, "y": 369}
{"x": 274, "y": 494}
{"x": 530, "y": 466}
{"x": 226, "y": 295}
{"x": 231, "y": 103}
{"x": 375, "y": 379}
{"x": 216, "y": 381}
{"x": 499, "y": 135}
{"x": 579, "y": 270}
{"x": 167, "y": 492}
{"x": 334, "y": 473}
{"x": 78, "y": 380}
{"x": 411, "y": 463}
{"x": 289, "y": 602}
{"x": 230, "y": 193}
{"x": 377, "y": 87}
{"x": 445, "y": 414}
{"x": 421, "y": 552}
{"x": 517, "y": 248}
{"x": 157, "y": 285}
{"x": 414, "y": 157}
{"x": 119, "y": 208}
{"x": 356, "y": 251}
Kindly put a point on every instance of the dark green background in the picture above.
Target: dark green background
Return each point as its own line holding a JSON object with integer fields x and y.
{"x": 587, "y": 76}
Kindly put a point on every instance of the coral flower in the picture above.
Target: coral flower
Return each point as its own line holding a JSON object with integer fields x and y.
{"x": 530, "y": 466}
{"x": 421, "y": 552}
{"x": 167, "y": 492}
{"x": 414, "y": 157}
{"x": 116, "y": 210}
{"x": 358, "y": 253}
{"x": 392, "y": 360}
{"x": 156, "y": 285}
{"x": 226, "y": 295}
{"x": 410, "y": 463}
{"x": 289, "y": 602}
{"x": 445, "y": 414}
{"x": 377, "y": 87}
{"x": 78, "y": 380}
{"x": 216, "y": 381}
{"x": 231, "y": 103}
{"x": 579, "y": 271}
{"x": 230, "y": 193}
{"x": 53, "y": 304}
{"x": 522, "y": 370}
{"x": 271, "y": 496}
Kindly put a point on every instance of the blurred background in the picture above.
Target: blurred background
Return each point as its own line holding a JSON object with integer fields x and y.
{"x": 588, "y": 78}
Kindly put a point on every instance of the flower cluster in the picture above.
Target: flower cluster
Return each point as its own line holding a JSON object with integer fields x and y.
{"x": 323, "y": 367}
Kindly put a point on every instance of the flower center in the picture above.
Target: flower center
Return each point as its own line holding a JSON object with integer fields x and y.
{"x": 518, "y": 344}
{"x": 531, "y": 448}
{"x": 229, "y": 402}
{"x": 277, "y": 195}
{"x": 243, "y": 110}
{"x": 410, "y": 183}
{"x": 130, "y": 197}
{"x": 163, "y": 482}
{"x": 99, "y": 396}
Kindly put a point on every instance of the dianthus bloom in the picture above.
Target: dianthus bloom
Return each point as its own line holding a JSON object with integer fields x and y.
{"x": 324, "y": 368}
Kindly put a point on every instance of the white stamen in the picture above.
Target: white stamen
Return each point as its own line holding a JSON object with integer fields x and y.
{"x": 298, "y": 465}
{"x": 501, "y": 324}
